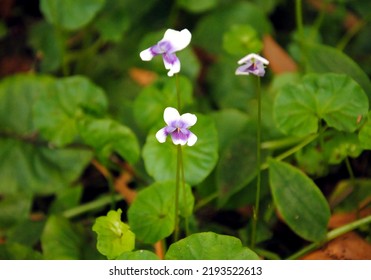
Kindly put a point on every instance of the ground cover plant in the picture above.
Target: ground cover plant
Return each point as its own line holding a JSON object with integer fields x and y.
{"x": 185, "y": 129}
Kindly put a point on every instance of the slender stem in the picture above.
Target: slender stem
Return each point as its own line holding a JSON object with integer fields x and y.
{"x": 184, "y": 190}
{"x": 178, "y": 91}
{"x": 258, "y": 163}
{"x": 293, "y": 150}
{"x": 90, "y": 206}
{"x": 299, "y": 18}
{"x": 330, "y": 236}
{"x": 177, "y": 187}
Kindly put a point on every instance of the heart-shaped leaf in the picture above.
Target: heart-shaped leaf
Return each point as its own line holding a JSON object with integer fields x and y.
{"x": 334, "y": 98}
{"x": 114, "y": 236}
{"x": 70, "y": 14}
{"x": 152, "y": 214}
{"x": 209, "y": 246}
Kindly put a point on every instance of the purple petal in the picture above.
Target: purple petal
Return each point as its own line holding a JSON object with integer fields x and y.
{"x": 171, "y": 63}
{"x": 179, "y": 137}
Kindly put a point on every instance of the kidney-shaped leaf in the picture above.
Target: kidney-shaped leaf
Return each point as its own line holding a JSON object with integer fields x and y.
{"x": 107, "y": 136}
{"x": 334, "y": 98}
{"x": 57, "y": 111}
{"x": 152, "y": 214}
{"x": 299, "y": 201}
{"x": 209, "y": 246}
{"x": 114, "y": 236}
{"x": 138, "y": 255}
{"x": 70, "y": 14}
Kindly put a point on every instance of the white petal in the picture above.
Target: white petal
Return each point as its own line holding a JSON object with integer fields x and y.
{"x": 188, "y": 119}
{"x": 161, "y": 135}
{"x": 178, "y": 39}
{"x": 170, "y": 115}
{"x": 253, "y": 56}
{"x": 178, "y": 141}
{"x": 192, "y": 139}
{"x": 146, "y": 55}
{"x": 172, "y": 67}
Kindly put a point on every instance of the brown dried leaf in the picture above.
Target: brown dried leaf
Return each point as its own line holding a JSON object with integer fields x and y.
{"x": 349, "y": 246}
{"x": 279, "y": 60}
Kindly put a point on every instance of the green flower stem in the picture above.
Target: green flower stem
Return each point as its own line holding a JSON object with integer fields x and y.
{"x": 330, "y": 236}
{"x": 258, "y": 163}
{"x": 299, "y": 18}
{"x": 91, "y": 206}
{"x": 178, "y": 91}
{"x": 177, "y": 187}
{"x": 186, "y": 222}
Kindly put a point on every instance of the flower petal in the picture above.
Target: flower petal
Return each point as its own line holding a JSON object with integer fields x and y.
{"x": 192, "y": 139}
{"x": 146, "y": 55}
{"x": 243, "y": 70}
{"x": 161, "y": 135}
{"x": 171, "y": 116}
{"x": 180, "y": 138}
{"x": 187, "y": 120}
{"x": 171, "y": 63}
{"x": 252, "y": 56}
{"x": 179, "y": 39}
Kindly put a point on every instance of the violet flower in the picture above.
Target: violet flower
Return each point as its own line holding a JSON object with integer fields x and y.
{"x": 177, "y": 127}
{"x": 172, "y": 42}
{"x": 252, "y": 64}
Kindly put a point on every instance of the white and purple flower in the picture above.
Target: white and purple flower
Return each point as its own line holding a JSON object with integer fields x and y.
{"x": 252, "y": 64}
{"x": 172, "y": 42}
{"x": 177, "y": 127}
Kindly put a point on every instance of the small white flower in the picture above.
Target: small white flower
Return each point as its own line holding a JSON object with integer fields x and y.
{"x": 252, "y": 64}
{"x": 172, "y": 42}
{"x": 177, "y": 127}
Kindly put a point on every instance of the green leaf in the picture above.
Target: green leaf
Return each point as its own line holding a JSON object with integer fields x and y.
{"x": 26, "y": 232}
{"x": 58, "y": 110}
{"x": 209, "y": 246}
{"x": 323, "y": 59}
{"x": 229, "y": 122}
{"x": 152, "y": 214}
{"x": 299, "y": 201}
{"x": 196, "y": 6}
{"x": 242, "y": 39}
{"x": 152, "y": 100}
{"x": 107, "y": 136}
{"x": 60, "y": 240}
{"x": 364, "y": 135}
{"x": 17, "y": 94}
{"x": 14, "y": 208}
{"x": 114, "y": 21}
{"x": 66, "y": 198}
{"x": 334, "y": 98}
{"x": 237, "y": 166}
{"x": 199, "y": 160}
{"x": 29, "y": 168}
{"x": 114, "y": 236}
{"x": 221, "y": 19}
{"x": 45, "y": 40}
{"x": 70, "y": 14}
{"x": 138, "y": 255}
{"x": 15, "y": 251}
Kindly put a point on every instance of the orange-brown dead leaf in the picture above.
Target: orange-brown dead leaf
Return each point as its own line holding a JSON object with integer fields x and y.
{"x": 279, "y": 60}
{"x": 349, "y": 246}
{"x": 142, "y": 77}
{"x": 341, "y": 219}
